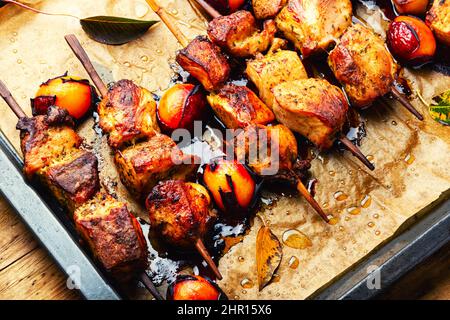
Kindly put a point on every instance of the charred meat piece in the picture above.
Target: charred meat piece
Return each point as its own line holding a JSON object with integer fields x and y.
{"x": 180, "y": 212}
{"x": 438, "y": 19}
{"x": 312, "y": 107}
{"x": 72, "y": 178}
{"x": 313, "y": 25}
{"x": 267, "y": 150}
{"x": 127, "y": 114}
{"x": 114, "y": 236}
{"x": 205, "y": 62}
{"x": 141, "y": 166}
{"x": 268, "y": 71}
{"x": 265, "y": 9}
{"x": 363, "y": 65}
{"x": 238, "y": 34}
{"x": 45, "y": 138}
{"x": 238, "y": 106}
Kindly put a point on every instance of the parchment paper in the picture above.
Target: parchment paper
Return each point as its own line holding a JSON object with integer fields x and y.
{"x": 411, "y": 157}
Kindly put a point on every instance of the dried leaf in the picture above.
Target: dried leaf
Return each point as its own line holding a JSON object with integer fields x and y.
{"x": 115, "y": 30}
{"x": 268, "y": 255}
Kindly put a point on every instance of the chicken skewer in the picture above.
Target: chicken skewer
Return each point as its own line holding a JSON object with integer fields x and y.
{"x": 85, "y": 61}
{"x": 72, "y": 176}
{"x": 350, "y": 69}
{"x": 194, "y": 72}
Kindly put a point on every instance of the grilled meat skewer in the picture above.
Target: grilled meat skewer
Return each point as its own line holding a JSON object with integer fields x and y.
{"x": 111, "y": 232}
{"x": 230, "y": 111}
{"x": 238, "y": 107}
{"x": 366, "y": 69}
{"x": 182, "y": 214}
{"x": 143, "y": 155}
{"x": 360, "y": 61}
{"x": 142, "y": 165}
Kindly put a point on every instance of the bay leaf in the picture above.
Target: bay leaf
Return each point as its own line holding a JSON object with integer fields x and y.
{"x": 115, "y": 30}
{"x": 268, "y": 255}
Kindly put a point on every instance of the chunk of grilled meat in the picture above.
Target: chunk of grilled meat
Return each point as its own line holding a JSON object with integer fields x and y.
{"x": 180, "y": 212}
{"x": 312, "y": 107}
{"x": 313, "y": 25}
{"x": 72, "y": 178}
{"x": 268, "y": 150}
{"x": 363, "y": 65}
{"x": 265, "y": 9}
{"x": 205, "y": 62}
{"x": 438, "y": 19}
{"x": 113, "y": 235}
{"x": 45, "y": 138}
{"x": 238, "y": 34}
{"x": 268, "y": 71}
{"x": 238, "y": 106}
{"x": 127, "y": 114}
{"x": 141, "y": 166}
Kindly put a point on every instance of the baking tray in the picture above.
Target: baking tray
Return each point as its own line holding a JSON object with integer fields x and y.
{"x": 411, "y": 246}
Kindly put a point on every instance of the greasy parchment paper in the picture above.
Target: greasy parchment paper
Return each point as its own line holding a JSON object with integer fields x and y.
{"x": 411, "y": 157}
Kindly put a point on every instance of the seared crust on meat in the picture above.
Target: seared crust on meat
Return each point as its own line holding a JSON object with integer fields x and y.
{"x": 113, "y": 235}
{"x": 438, "y": 19}
{"x": 363, "y": 65}
{"x": 313, "y": 25}
{"x": 277, "y": 148}
{"x": 141, "y": 166}
{"x": 268, "y": 71}
{"x": 264, "y": 9}
{"x": 73, "y": 178}
{"x": 204, "y": 61}
{"x": 238, "y": 106}
{"x": 127, "y": 114}
{"x": 312, "y": 107}
{"x": 180, "y": 212}
{"x": 45, "y": 138}
{"x": 238, "y": 34}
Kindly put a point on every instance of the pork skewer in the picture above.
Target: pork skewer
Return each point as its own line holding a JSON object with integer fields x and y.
{"x": 308, "y": 41}
{"x": 72, "y": 176}
{"x": 352, "y": 148}
{"x": 85, "y": 61}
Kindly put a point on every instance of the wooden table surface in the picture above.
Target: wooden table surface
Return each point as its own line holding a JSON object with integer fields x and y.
{"x": 28, "y": 272}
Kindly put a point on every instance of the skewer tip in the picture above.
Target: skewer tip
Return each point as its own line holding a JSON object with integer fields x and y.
{"x": 208, "y": 8}
{"x": 205, "y": 254}
{"x": 9, "y": 99}
{"x": 305, "y": 193}
{"x": 83, "y": 57}
{"x": 148, "y": 283}
{"x": 402, "y": 99}
{"x": 356, "y": 152}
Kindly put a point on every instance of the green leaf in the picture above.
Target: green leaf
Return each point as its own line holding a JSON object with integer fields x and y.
{"x": 440, "y": 110}
{"x": 114, "y": 30}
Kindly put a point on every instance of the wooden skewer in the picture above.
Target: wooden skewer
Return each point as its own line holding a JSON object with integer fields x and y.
{"x": 168, "y": 22}
{"x": 148, "y": 283}
{"x": 356, "y": 152}
{"x": 12, "y": 103}
{"x": 208, "y": 8}
{"x": 402, "y": 99}
{"x": 81, "y": 54}
{"x": 200, "y": 246}
{"x": 305, "y": 193}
